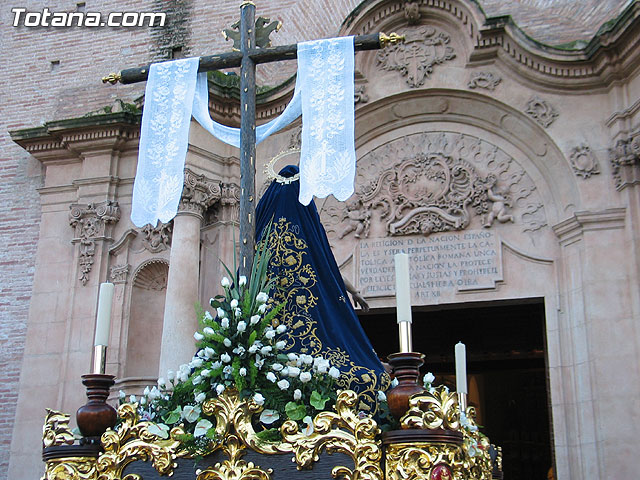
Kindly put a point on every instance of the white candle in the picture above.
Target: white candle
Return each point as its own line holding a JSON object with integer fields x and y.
{"x": 103, "y": 318}
{"x": 403, "y": 288}
{"x": 461, "y": 368}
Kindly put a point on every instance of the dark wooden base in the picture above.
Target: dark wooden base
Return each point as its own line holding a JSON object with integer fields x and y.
{"x": 406, "y": 369}
{"x": 415, "y": 435}
{"x": 97, "y": 415}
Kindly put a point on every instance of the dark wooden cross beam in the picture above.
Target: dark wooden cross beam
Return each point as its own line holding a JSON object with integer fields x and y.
{"x": 246, "y": 58}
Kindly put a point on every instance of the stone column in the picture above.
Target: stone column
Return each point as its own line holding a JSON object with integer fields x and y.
{"x": 180, "y": 321}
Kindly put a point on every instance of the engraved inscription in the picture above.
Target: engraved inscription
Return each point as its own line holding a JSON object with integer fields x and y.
{"x": 440, "y": 264}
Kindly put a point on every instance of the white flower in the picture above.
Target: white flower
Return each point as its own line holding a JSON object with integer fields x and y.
{"x": 305, "y": 377}
{"x": 306, "y": 359}
{"x": 205, "y": 372}
{"x": 276, "y": 367}
{"x": 209, "y": 352}
{"x": 234, "y": 303}
{"x": 200, "y": 353}
{"x": 259, "y": 363}
{"x": 154, "y": 393}
{"x": 221, "y": 312}
{"x": 216, "y": 364}
{"x": 262, "y": 297}
{"x": 382, "y": 397}
{"x": 269, "y": 416}
{"x": 266, "y": 350}
{"x": 428, "y": 378}
{"x": 253, "y": 348}
{"x": 285, "y": 372}
{"x": 208, "y": 331}
{"x": 394, "y": 382}
{"x": 159, "y": 429}
{"x": 198, "y": 336}
{"x": 225, "y": 357}
{"x": 242, "y": 281}
{"x": 220, "y": 389}
{"x": 281, "y": 344}
{"x": 294, "y": 371}
{"x": 255, "y": 319}
{"x": 269, "y": 334}
{"x": 281, "y": 328}
{"x": 297, "y": 394}
{"x": 239, "y": 350}
{"x": 227, "y": 342}
{"x": 197, "y": 362}
{"x": 227, "y": 370}
{"x": 238, "y": 313}
{"x": 224, "y": 323}
{"x": 225, "y": 282}
{"x": 200, "y": 397}
{"x": 242, "y": 326}
{"x": 270, "y": 376}
{"x": 121, "y": 394}
{"x": 283, "y": 384}
{"x": 171, "y": 375}
{"x": 196, "y": 380}
{"x": 143, "y": 400}
{"x": 293, "y": 357}
{"x": 191, "y": 413}
{"x": 259, "y": 399}
{"x": 322, "y": 366}
{"x": 133, "y": 399}
{"x": 308, "y": 430}
{"x": 202, "y": 427}
{"x": 208, "y": 316}
{"x": 334, "y": 372}
{"x": 242, "y": 372}
{"x": 262, "y": 308}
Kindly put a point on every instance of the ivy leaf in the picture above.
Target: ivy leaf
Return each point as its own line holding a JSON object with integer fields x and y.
{"x": 317, "y": 401}
{"x": 295, "y": 411}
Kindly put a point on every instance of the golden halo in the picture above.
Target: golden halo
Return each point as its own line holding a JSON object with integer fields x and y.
{"x": 270, "y": 172}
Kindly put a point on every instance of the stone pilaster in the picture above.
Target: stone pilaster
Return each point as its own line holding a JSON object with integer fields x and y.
{"x": 180, "y": 321}
{"x": 625, "y": 162}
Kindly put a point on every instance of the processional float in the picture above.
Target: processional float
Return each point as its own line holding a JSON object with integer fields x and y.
{"x": 430, "y": 432}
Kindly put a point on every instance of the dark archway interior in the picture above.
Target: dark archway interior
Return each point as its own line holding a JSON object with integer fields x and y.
{"x": 506, "y": 369}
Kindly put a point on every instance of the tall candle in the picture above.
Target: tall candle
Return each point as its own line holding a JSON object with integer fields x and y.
{"x": 403, "y": 289}
{"x": 461, "y": 368}
{"x": 103, "y": 318}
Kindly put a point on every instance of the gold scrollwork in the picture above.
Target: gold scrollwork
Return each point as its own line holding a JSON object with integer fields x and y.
{"x": 56, "y": 431}
{"x": 235, "y": 468}
{"x": 70, "y": 468}
{"x": 132, "y": 442}
{"x": 438, "y": 409}
{"x": 476, "y": 449}
{"x": 343, "y": 431}
{"x": 418, "y": 460}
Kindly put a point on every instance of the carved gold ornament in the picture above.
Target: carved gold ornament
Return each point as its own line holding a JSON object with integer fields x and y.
{"x": 132, "y": 442}
{"x": 70, "y": 468}
{"x": 438, "y": 409}
{"x": 343, "y": 431}
{"x": 56, "y": 429}
{"x": 432, "y": 461}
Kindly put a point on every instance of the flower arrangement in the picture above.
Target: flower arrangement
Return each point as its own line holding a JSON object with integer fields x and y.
{"x": 239, "y": 348}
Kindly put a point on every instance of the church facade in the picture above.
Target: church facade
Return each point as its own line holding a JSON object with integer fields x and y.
{"x": 508, "y": 170}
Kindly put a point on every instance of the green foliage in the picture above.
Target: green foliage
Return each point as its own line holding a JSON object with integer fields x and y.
{"x": 295, "y": 411}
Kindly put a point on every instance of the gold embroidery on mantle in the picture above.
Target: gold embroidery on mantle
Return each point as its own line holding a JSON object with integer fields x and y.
{"x": 296, "y": 278}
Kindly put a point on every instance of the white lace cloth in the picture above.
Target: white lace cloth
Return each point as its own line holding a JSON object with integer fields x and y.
{"x": 323, "y": 95}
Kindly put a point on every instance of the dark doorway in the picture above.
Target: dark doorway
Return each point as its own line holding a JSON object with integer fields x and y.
{"x": 506, "y": 368}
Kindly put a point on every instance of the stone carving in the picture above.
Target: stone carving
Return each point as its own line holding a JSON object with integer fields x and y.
{"x": 90, "y": 222}
{"x": 486, "y": 80}
{"x": 435, "y": 182}
{"x": 625, "y": 162}
{"x": 152, "y": 275}
{"x": 157, "y": 239}
{"x": 541, "y": 111}
{"x": 423, "y": 48}
{"x": 412, "y": 12}
{"x": 500, "y": 204}
{"x": 583, "y": 161}
{"x": 118, "y": 273}
{"x": 360, "y": 94}
{"x": 199, "y": 193}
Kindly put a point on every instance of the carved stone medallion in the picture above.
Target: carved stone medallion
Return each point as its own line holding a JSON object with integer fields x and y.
{"x": 423, "y": 48}
{"x": 486, "y": 80}
{"x": 541, "y": 111}
{"x": 583, "y": 161}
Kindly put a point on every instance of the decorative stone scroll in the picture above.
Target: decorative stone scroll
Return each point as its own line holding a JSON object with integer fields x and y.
{"x": 440, "y": 265}
{"x": 423, "y": 48}
{"x": 485, "y": 80}
{"x": 118, "y": 273}
{"x": 541, "y": 111}
{"x": 625, "y": 162}
{"x": 157, "y": 239}
{"x": 583, "y": 161}
{"x": 90, "y": 222}
{"x": 199, "y": 193}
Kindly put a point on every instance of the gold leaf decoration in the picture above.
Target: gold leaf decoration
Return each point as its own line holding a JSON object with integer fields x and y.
{"x": 343, "y": 431}
{"x": 235, "y": 468}
{"x": 436, "y": 409}
{"x": 56, "y": 431}
{"x": 133, "y": 441}
{"x": 70, "y": 468}
{"x": 418, "y": 460}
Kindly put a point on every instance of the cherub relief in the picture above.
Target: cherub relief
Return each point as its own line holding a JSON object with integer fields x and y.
{"x": 356, "y": 218}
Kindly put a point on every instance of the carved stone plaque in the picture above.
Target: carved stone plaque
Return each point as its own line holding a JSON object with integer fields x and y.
{"x": 440, "y": 265}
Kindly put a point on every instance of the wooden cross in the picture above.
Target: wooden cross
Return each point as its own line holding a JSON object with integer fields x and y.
{"x": 246, "y": 57}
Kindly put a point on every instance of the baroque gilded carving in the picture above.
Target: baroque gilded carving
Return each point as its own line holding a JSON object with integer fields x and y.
{"x": 157, "y": 239}
{"x": 625, "y": 162}
{"x": 434, "y": 182}
{"x": 90, "y": 222}
{"x": 56, "y": 431}
{"x": 198, "y": 193}
{"x": 431, "y": 461}
{"x": 423, "y": 48}
{"x": 436, "y": 409}
{"x": 486, "y": 80}
{"x": 541, "y": 111}
{"x": 70, "y": 468}
{"x": 583, "y": 161}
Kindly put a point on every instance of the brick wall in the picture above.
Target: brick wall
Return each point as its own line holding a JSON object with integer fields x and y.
{"x": 52, "y": 74}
